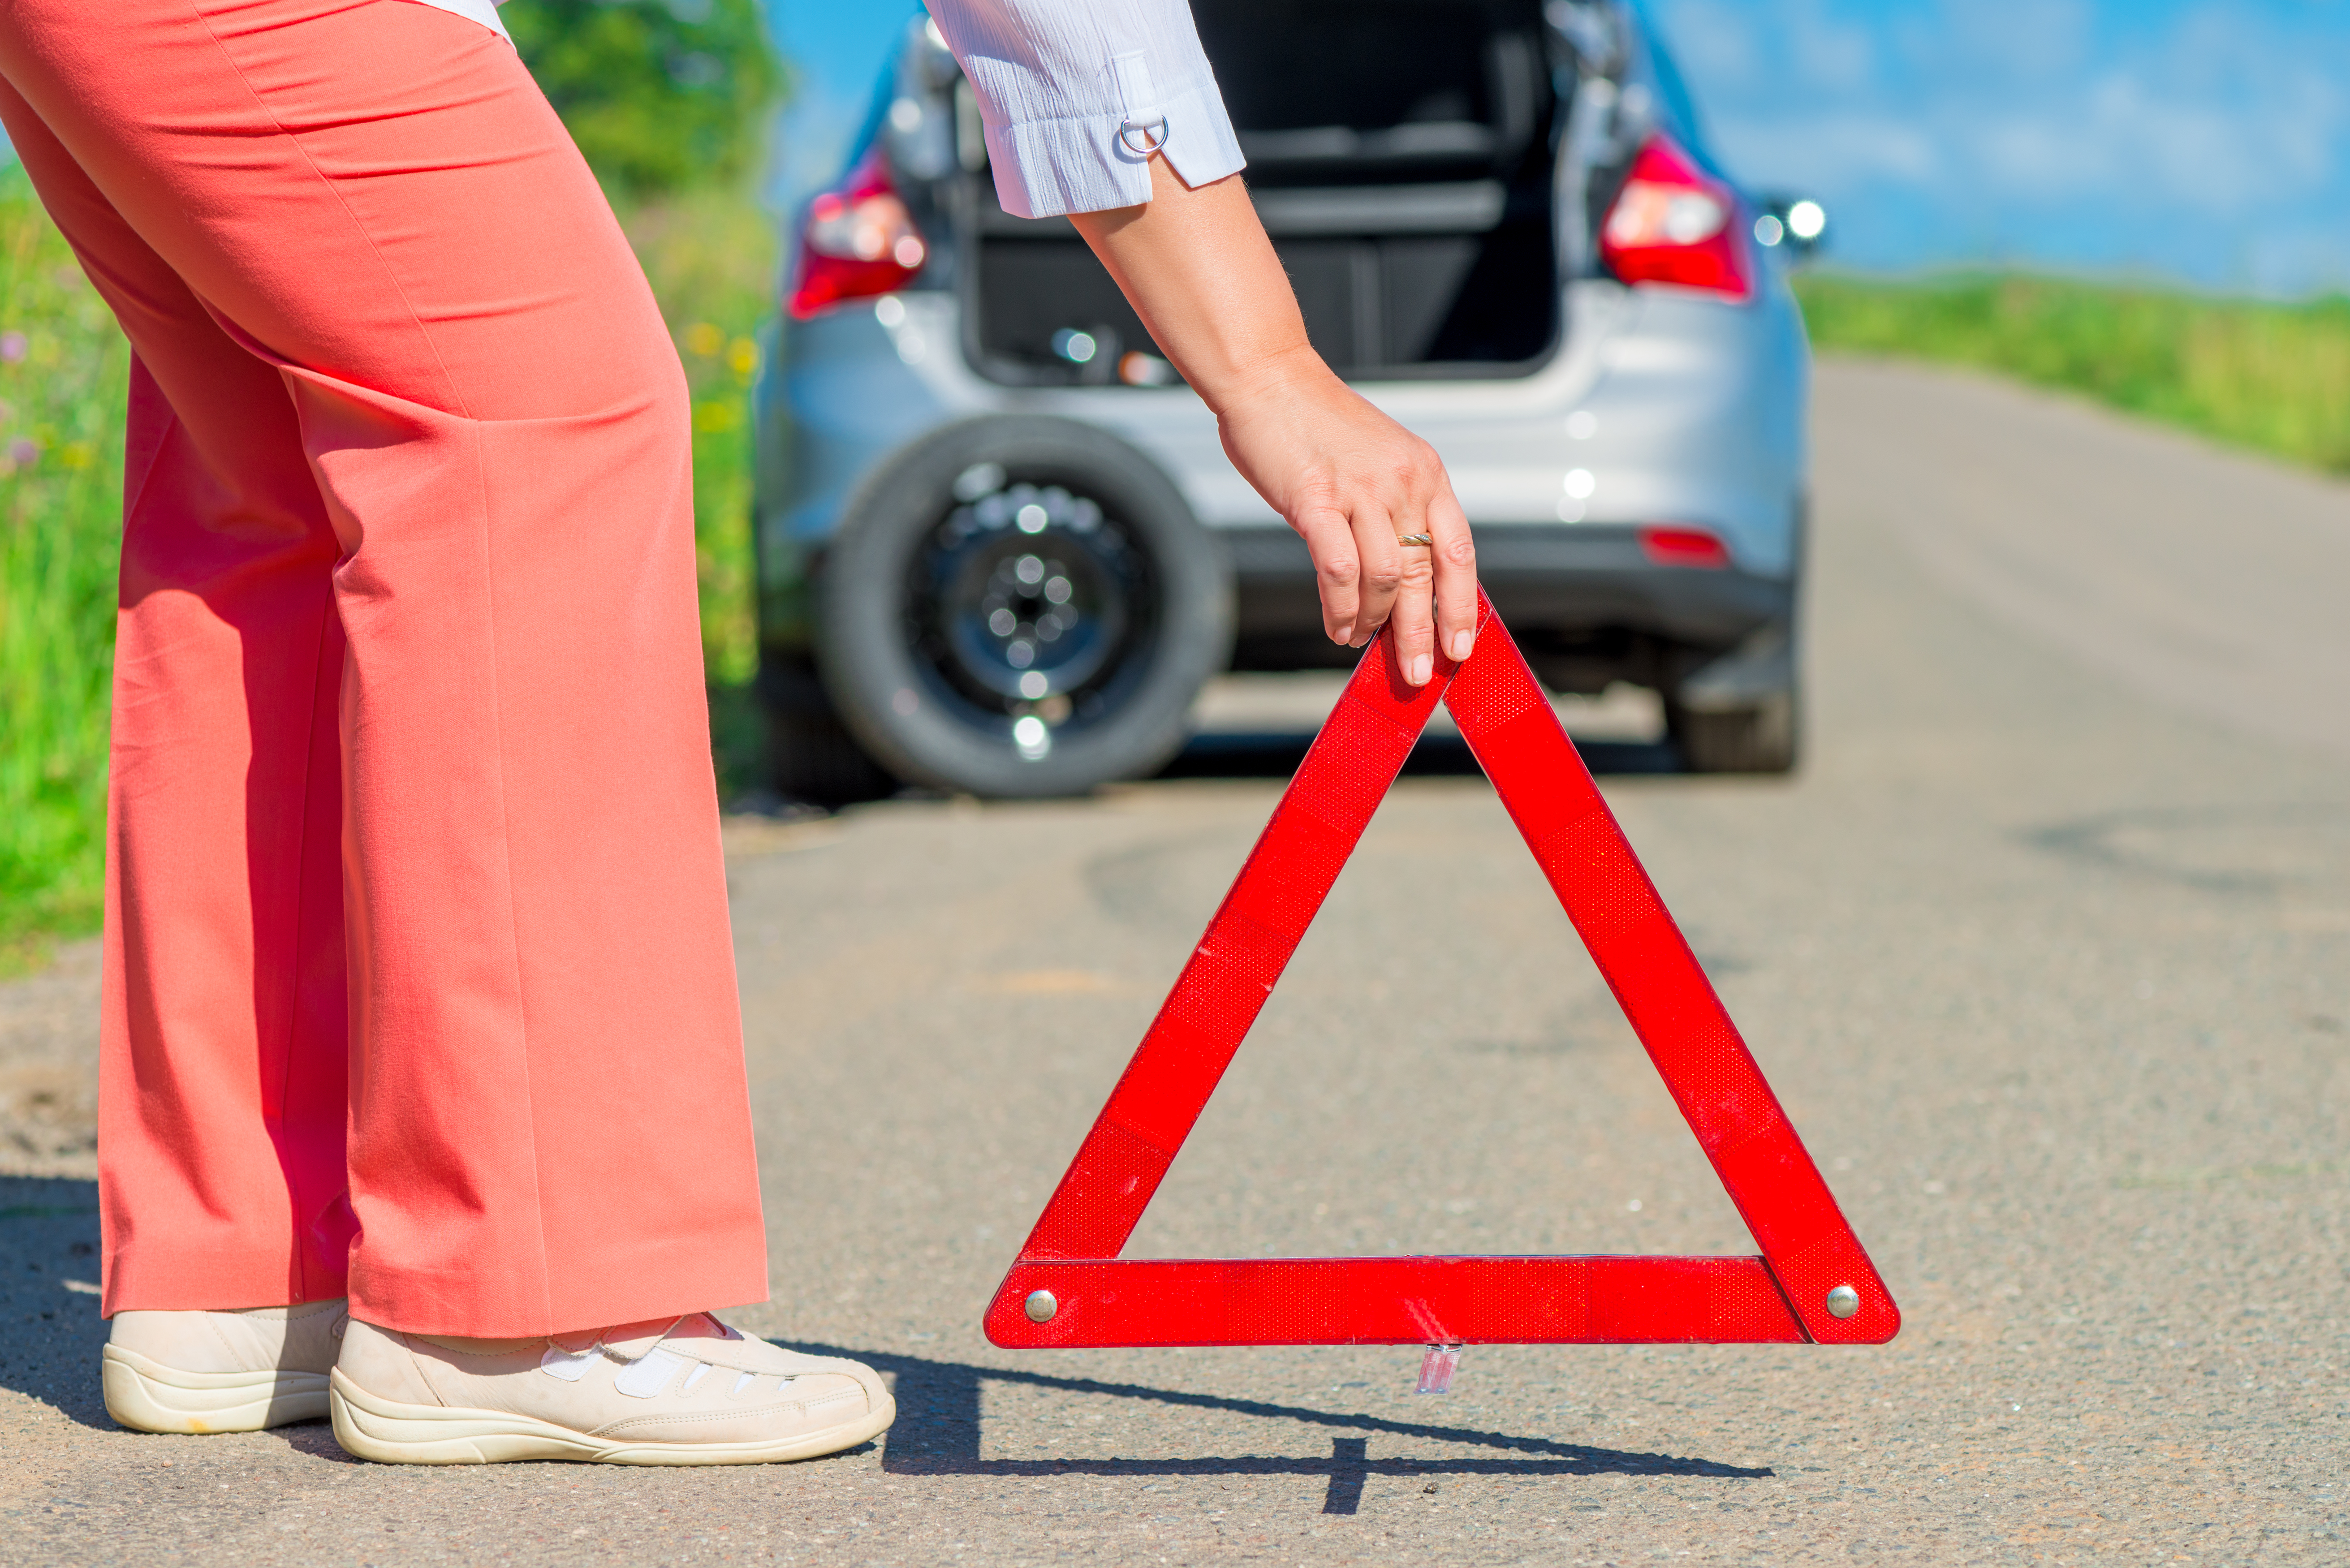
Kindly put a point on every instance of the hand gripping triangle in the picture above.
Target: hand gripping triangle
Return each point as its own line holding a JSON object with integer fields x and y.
{"x": 1070, "y": 1288}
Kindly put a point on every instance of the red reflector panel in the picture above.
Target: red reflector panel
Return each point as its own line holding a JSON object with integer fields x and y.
{"x": 1683, "y": 548}
{"x": 860, "y": 241}
{"x": 1812, "y": 1280}
{"x": 1673, "y": 223}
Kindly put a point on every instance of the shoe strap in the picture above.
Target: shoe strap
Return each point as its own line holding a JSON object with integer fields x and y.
{"x": 607, "y": 1347}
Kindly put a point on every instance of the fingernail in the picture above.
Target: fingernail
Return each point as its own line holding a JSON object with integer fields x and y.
{"x": 1421, "y": 669}
{"x": 1461, "y": 643}
{"x": 1347, "y": 634}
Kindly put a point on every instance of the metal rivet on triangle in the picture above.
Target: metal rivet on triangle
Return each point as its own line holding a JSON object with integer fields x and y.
{"x": 1041, "y": 1307}
{"x": 1843, "y": 1302}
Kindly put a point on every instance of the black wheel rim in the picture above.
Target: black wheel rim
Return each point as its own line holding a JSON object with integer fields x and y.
{"x": 1031, "y": 608}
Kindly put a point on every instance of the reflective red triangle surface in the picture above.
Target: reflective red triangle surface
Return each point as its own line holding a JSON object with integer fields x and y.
{"x": 1811, "y": 1281}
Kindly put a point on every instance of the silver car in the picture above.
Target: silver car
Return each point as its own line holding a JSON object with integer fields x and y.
{"x": 1000, "y": 546}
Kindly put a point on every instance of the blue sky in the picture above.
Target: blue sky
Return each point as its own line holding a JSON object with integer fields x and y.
{"x": 837, "y": 48}
{"x": 2208, "y": 142}
{"x": 2188, "y": 139}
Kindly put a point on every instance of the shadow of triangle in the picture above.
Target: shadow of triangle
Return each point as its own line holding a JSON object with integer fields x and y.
{"x": 939, "y": 1418}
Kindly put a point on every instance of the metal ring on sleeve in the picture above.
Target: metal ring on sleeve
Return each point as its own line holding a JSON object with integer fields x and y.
{"x": 1150, "y": 143}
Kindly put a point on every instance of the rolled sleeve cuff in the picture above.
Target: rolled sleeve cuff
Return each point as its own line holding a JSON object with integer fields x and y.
{"x": 1046, "y": 168}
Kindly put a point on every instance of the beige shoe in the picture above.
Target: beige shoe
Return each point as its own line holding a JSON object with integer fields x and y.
{"x": 220, "y": 1371}
{"x": 687, "y": 1391}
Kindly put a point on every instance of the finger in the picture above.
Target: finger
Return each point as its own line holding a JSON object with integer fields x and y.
{"x": 1415, "y": 630}
{"x": 1453, "y": 560}
{"x": 1382, "y": 572}
{"x": 1338, "y": 571}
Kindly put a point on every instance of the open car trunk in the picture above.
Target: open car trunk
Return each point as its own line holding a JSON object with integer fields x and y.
{"x": 1398, "y": 154}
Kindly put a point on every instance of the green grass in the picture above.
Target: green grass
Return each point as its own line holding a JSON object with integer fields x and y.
{"x": 2273, "y": 377}
{"x": 711, "y": 259}
{"x": 63, "y": 368}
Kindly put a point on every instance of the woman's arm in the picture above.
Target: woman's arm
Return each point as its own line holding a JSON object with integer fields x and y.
{"x": 1062, "y": 85}
{"x": 1200, "y": 271}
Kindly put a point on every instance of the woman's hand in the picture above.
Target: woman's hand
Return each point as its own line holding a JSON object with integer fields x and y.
{"x": 1353, "y": 482}
{"x": 1199, "y": 270}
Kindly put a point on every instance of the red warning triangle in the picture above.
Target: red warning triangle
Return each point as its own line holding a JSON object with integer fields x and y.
{"x": 1812, "y": 1281}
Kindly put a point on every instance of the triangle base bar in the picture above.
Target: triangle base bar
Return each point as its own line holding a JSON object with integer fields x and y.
{"x": 1394, "y": 1301}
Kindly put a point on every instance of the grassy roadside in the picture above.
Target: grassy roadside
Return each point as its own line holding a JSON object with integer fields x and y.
{"x": 63, "y": 373}
{"x": 2273, "y": 378}
{"x": 711, "y": 258}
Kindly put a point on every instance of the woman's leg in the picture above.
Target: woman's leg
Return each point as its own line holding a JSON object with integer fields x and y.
{"x": 222, "y": 1086}
{"x": 549, "y": 1126}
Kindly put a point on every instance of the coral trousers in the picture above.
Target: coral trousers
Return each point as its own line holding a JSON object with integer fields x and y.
{"x": 418, "y": 979}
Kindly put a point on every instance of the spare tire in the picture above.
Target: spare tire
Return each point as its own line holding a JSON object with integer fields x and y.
{"x": 1021, "y": 605}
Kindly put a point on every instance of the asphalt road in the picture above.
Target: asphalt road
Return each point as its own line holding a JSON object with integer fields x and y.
{"x": 2047, "y": 951}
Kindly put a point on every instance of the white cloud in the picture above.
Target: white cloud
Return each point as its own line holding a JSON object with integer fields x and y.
{"x": 2136, "y": 141}
{"x": 1782, "y": 49}
{"x": 1831, "y": 151}
{"x": 1822, "y": 53}
{"x": 1719, "y": 44}
{"x": 1998, "y": 42}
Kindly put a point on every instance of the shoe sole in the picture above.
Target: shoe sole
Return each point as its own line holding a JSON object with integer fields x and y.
{"x": 370, "y": 1427}
{"x": 149, "y": 1397}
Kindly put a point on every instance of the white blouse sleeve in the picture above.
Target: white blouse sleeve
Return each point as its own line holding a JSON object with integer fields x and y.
{"x": 1077, "y": 94}
{"x": 485, "y": 12}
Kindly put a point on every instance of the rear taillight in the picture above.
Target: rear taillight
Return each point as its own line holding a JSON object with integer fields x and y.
{"x": 1675, "y": 224}
{"x": 860, "y": 241}
{"x": 1672, "y": 547}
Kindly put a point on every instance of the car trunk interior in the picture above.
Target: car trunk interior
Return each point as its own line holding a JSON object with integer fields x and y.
{"x": 1398, "y": 153}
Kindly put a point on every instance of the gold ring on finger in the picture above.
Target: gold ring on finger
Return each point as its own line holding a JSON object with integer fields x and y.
{"x": 1423, "y": 540}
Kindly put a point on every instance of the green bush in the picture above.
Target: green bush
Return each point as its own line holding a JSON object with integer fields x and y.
{"x": 2275, "y": 377}
{"x": 661, "y": 95}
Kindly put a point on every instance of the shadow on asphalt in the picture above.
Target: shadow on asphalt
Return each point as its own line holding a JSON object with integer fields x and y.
{"x": 936, "y": 1434}
{"x": 2252, "y": 849}
{"x": 48, "y": 1294}
{"x": 1276, "y": 754}
{"x": 48, "y": 1232}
